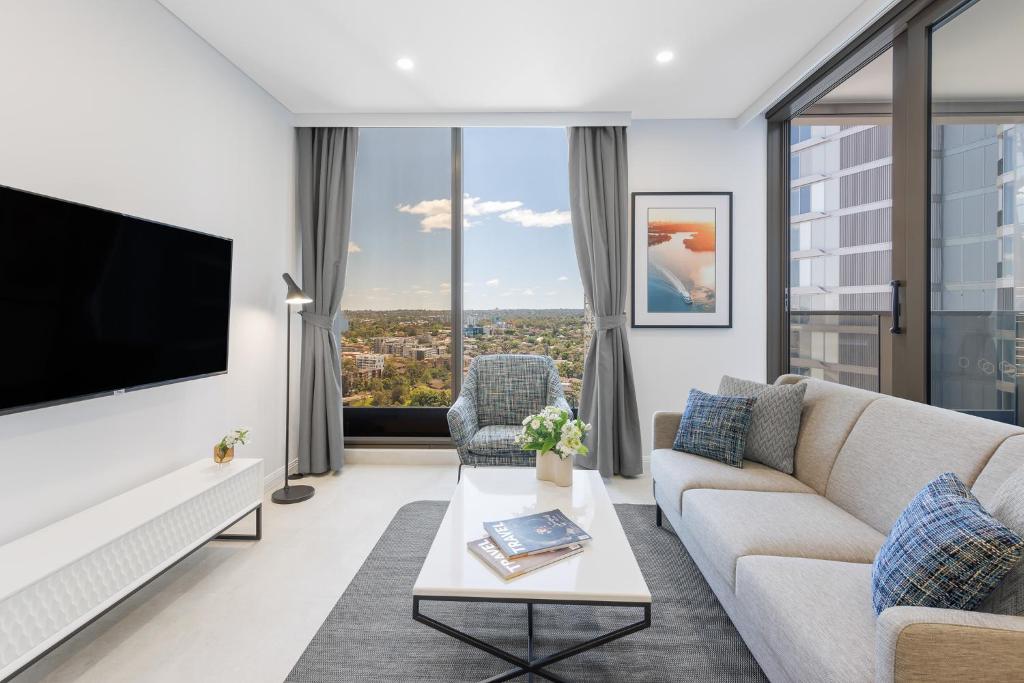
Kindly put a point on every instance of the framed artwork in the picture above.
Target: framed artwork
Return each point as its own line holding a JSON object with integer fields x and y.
{"x": 682, "y": 259}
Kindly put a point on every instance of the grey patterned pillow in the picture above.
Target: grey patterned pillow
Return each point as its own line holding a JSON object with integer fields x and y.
{"x": 1008, "y": 508}
{"x": 775, "y": 423}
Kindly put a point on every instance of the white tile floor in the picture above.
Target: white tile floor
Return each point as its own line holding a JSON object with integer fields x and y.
{"x": 245, "y": 611}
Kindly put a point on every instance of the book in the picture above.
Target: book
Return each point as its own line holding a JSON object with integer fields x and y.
{"x": 491, "y": 554}
{"x": 536, "y": 533}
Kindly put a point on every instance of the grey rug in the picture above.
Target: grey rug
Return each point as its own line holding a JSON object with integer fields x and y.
{"x": 370, "y": 634}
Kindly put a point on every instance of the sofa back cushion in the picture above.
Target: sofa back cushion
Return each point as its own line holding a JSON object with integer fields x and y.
{"x": 1008, "y": 507}
{"x": 509, "y": 387}
{"x": 1007, "y": 459}
{"x": 898, "y": 446}
{"x": 830, "y": 411}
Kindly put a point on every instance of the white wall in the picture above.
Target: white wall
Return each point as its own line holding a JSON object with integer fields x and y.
{"x": 698, "y": 155}
{"x": 116, "y": 104}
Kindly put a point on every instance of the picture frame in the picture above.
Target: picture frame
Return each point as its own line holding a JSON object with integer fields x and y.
{"x": 682, "y": 259}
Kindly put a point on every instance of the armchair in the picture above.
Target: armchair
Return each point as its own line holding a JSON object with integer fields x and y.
{"x": 499, "y": 392}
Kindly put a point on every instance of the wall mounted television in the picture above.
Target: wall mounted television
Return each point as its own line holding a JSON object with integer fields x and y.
{"x": 94, "y": 302}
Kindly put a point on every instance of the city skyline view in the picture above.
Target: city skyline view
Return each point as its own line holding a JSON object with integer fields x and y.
{"x": 517, "y": 236}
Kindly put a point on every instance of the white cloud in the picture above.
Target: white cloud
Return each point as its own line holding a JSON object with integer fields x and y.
{"x": 445, "y": 287}
{"x": 563, "y": 278}
{"x": 424, "y": 292}
{"x": 437, "y": 213}
{"x": 550, "y": 292}
{"x": 528, "y": 218}
{"x": 527, "y": 292}
{"x": 354, "y": 248}
{"x": 493, "y": 283}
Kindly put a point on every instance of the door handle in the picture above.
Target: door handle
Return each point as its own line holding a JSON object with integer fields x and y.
{"x": 895, "y": 329}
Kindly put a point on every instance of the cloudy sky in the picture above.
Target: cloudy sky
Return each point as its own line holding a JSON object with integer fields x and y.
{"x": 518, "y": 250}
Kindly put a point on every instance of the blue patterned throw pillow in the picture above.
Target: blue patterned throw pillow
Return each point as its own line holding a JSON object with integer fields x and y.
{"x": 715, "y": 427}
{"x": 944, "y": 551}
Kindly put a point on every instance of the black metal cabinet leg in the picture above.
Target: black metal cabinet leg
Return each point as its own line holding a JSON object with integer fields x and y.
{"x": 246, "y": 537}
{"x": 657, "y": 514}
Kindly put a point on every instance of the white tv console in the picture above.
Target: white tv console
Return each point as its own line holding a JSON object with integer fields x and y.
{"x": 56, "y": 581}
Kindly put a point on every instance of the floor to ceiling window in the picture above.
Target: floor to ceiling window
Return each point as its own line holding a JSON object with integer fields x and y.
{"x": 397, "y": 300}
{"x": 514, "y": 287}
{"x": 521, "y": 291}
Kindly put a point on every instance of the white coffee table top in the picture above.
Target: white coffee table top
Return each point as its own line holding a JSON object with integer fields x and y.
{"x": 605, "y": 571}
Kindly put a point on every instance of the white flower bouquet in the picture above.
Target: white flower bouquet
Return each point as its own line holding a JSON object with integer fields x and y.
{"x": 554, "y": 430}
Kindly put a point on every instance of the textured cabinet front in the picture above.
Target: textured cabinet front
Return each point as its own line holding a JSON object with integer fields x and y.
{"x": 40, "y": 615}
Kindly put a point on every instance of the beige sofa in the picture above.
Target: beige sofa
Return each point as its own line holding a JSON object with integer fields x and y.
{"x": 789, "y": 557}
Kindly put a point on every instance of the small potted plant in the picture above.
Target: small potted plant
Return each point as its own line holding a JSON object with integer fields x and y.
{"x": 556, "y": 437}
{"x": 224, "y": 451}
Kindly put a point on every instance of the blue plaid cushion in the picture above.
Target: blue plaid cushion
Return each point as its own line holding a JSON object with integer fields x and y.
{"x": 944, "y": 551}
{"x": 715, "y": 426}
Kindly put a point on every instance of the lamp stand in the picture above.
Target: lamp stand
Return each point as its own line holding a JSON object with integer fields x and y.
{"x": 289, "y": 494}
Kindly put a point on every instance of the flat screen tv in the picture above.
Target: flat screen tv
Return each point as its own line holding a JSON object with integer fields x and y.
{"x": 93, "y": 302}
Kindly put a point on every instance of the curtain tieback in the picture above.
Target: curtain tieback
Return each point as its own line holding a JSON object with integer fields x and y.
{"x": 603, "y": 323}
{"x": 331, "y": 323}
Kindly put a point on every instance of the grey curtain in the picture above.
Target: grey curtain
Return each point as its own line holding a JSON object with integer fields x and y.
{"x": 326, "y": 164}
{"x": 598, "y": 194}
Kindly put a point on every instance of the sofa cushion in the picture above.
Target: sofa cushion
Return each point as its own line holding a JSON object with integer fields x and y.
{"x": 830, "y": 411}
{"x": 898, "y": 446}
{"x": 815, "y": 615}
{"x": 729, "y": 525}
{"x": 496, "y": 440}
{"x": 1008, "y": 507}
{"x": 1007, "y": 459}
{"x": 774, "y": 423}
{"x": 715, "y": 427}
{"x": 678, "y": 473}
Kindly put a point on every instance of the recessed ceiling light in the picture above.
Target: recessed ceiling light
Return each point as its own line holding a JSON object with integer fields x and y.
{"x": 405, "y": 64}
{"x": 664, "y": 57}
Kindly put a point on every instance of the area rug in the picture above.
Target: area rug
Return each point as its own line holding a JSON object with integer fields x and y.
{"x": 370, "y": 634}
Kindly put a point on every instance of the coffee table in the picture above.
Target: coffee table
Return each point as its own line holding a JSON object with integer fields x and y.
{"x": 605, "y": 573}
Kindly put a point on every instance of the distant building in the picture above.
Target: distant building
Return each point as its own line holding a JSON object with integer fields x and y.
{"x": 474, "y": 330}
{"x": 370, "y": 364}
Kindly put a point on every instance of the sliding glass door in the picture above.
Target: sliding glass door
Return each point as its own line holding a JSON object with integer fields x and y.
{"x": 893, "y": 250}
{"x": 977, "y": 300}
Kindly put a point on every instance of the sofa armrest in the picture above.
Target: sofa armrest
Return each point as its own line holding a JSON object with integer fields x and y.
{"x": 462, "y": 421}
{"x": 665, "y": 426}
{"x": 929, "y": 644}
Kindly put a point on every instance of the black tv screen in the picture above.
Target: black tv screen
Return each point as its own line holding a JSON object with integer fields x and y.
{"x": 94, "y": 302}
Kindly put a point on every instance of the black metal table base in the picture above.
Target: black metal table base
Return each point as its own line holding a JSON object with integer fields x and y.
{"x": 532, "y": 665}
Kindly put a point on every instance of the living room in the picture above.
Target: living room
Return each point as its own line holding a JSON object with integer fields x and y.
{"x": 722, "y": 291}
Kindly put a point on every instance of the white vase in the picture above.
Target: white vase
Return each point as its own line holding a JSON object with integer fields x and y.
{"x": 552, "y": 468}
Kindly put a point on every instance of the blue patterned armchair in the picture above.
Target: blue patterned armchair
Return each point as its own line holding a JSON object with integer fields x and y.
{"x": 499, "y": 392}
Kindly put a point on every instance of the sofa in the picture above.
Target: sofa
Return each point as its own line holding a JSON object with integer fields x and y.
{"x": 789, "y": 557}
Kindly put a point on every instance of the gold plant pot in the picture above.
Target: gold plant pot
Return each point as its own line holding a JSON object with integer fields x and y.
{"x": 221, "y": 457}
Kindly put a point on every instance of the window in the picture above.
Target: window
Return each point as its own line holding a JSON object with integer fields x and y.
{"x": 519, "y": 285}
{"x": 522, "y": 292}
{"x": 397, "y": 301}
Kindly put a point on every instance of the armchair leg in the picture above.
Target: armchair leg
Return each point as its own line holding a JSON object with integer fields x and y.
{"x": 657, "y": 514}
{"x": 459, "y": 477}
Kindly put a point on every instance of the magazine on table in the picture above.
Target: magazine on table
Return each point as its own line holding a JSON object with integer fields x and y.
{"x": 488, "y": 551}
{"x": 537, "y": 533}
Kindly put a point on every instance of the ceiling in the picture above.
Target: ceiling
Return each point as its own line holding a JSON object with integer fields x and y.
{"x": 338, "y": 56}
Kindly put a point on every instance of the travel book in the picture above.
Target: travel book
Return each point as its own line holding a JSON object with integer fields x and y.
{"x": 491, "y": 554}
{"x": 532, "y": 534}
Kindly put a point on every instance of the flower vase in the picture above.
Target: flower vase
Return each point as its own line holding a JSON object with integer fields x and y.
{"x": 550, "y": 467}
{"x": 220, "y": 457}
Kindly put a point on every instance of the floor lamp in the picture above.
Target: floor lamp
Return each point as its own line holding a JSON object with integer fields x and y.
{"x": 291, "y": 494}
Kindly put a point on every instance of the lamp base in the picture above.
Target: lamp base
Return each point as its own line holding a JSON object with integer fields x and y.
{"x": 292, "y": 494}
